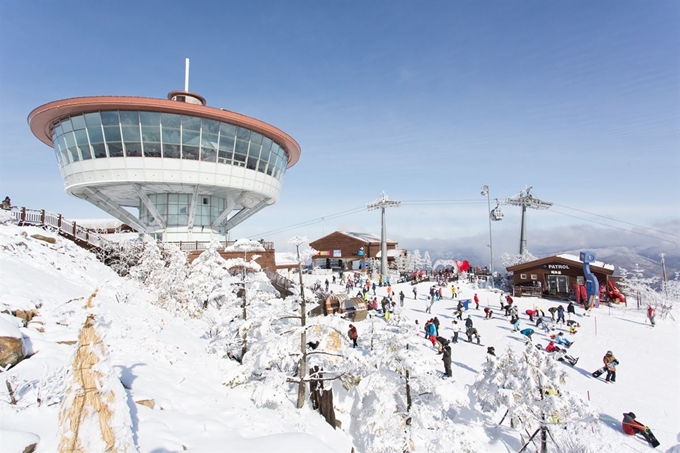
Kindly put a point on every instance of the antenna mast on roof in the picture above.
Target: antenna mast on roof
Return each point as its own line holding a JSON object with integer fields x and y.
{"x": 525, "y": 200}
{"x": 186, "y": 74}
{"x": 383, "y": 202}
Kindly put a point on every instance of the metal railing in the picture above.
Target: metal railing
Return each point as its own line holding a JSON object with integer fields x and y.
{"x": 67, "y": 228}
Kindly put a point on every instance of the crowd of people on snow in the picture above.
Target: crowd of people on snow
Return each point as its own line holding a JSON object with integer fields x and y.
{"x": 558, "y": 343}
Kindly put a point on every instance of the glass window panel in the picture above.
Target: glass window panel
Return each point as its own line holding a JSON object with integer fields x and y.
{"x": 255, "y": 138}
{"x": 183, "y": 209}
{"x": 226, "y": 142}
{"x": 183, "y": 198}
{"x": 95, "y": 134}
{"x": 171, "y": 151}
{"x": 208, "y": 140}
{"x": 266, "y": 143}
{"x": 239, "y": 159}
{"x": 150, "y": 118}
{"x": 58, "y": 130}
{"x": 151, "y": 134}
{"x": 173, "y": 209}
{"x": 131, "y": 133}
{"x": 85, "y": 152}
{"x": 110, "y": 118}
{"x": 190, "y": 137}
{"x": 74, "y": 154}
{"x": 225, "y": 157}
{"x": 264, "y": 155}
{"x": 242, "y": 133}
{"x": 171, "y": 136}
{"x": 211, "y": 126}
{"x": 129, "y": 118}
{"x": 182, "y": 219}
{"x": 208, "y": 155}
{"x": 252, "y": 163}
{"x": 66, "y": 125}
{"x": 173, "y": 198}
{"x": 190, "y": 152}
{"x": 115, "y": 149}
{"x": 78, "y": 122}
{"x": 170, "y": 120}
{"x": 227, "y": 130}
{"x": 172, "y": 220}
{"x": 93, "y": 119}
{"x": 65, "y": 156}
{"x": 133, "y": 149}
{"x": 152, "y": 149}
{"x": 241, "y": 147}
{"x": 112, "y": 133}
{"x": 99, "y": 150}
{"x": 270, "y": 169}
{"x": 191, "y": 123}
{"x": 254, "y": 151}
{"x": 69, "y": 140}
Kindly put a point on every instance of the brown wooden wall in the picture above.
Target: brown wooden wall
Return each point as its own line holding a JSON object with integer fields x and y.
{"x": 267, "y": 259}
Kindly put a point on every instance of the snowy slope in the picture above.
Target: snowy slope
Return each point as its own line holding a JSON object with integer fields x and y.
{"x": 159, "y": 356}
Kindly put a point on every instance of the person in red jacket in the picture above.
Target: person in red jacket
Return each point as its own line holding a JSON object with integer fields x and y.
{"x": 476, "y": 299}
{"x": 650, "y": 315}
{"x": 632, "y": 427}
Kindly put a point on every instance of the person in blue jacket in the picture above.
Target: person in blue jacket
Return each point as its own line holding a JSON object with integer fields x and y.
{"x": 528, "y": 332}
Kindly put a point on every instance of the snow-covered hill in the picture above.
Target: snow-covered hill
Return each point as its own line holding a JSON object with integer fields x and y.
{"x": 174, "y": 360}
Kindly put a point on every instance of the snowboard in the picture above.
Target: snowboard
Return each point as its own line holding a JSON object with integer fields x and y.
{"x": 652, "y": 438}
{"x": 599, "y": 372}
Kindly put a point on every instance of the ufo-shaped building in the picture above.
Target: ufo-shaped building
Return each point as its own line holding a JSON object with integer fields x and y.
{"x": 190, "y": 172}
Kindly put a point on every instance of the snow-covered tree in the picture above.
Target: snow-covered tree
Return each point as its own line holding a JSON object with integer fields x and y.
{"x": 209, "y": 280}
{"x": 530, "y": 387}
{"x": 427, "y": 260}
{"x": 508, "y": 259}
{"x": 415, "y": 261}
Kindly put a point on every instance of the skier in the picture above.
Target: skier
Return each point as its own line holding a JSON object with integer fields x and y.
{"x": 632, "y": 427}
{"x": 446, "y": 358}
{"x": 476, "y": 299}
{"x": 456, "y": 331}
{"x": 528, "y": 332}
{"x": 353, "y": 335}
{"x": 610, "y": 363}
{"x": 651, "y": 315}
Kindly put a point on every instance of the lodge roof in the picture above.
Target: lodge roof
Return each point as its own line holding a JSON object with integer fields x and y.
{"x": 565, "y": 258}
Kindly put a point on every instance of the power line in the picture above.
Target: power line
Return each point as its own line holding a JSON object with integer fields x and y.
{"x": 618, "y": 228}
{"x": 615, "y": 220}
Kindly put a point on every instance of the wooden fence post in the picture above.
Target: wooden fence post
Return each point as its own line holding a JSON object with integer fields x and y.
{"x": 59, "y": 222}
{"x": 23, "y": 215}
{"x": 42, "y": 217}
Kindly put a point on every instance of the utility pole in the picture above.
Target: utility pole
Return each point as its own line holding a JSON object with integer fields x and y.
{"x": 485, "y": 192}
{"x": 381, "y": 203}
{"x": 525, "y": 200}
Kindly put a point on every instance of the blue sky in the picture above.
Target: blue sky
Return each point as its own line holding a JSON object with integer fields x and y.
{"x": 427, "y": 101}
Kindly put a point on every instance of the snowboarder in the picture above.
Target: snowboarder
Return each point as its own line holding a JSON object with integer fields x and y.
{"x": 435, "y": 321}
{"x": 651, "y": 315}
{"x": 472, "y": 332}
{"x": 353, "y": 335}
{"x": 514, "y": 320}
{"x": 468, "y": 322}
{"x": 573, "y": 328}
{"x": 488, "y": 313}
{"x": 562, "y": 340}
{"x": 571, "y": 310}
{"x": 531, "y": 314}
{"x": 401, "y": 298}
{"x": 632, "y": 427}
{"x": 456, "y": 331}
{"x": 432, "y": 332}
{"x": 415, "y": 292}
{"x": 491, "y": 351}
{"x": 528, "y": 332}
{"x": 326, "y": 283}
{"x": 446, "y": 358}
{"x": 539, "y": 310}
{"x": 552, "y": 311}
{"x": 610, "y": 363}
{"x": 560, "y": 315}
{"x": 476, "y": 299}
{"x": 561, "y": 354}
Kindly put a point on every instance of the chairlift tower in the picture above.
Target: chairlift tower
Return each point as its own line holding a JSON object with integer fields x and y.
{"x": 526, "y": 200}
{"x": 381, "y": 203}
